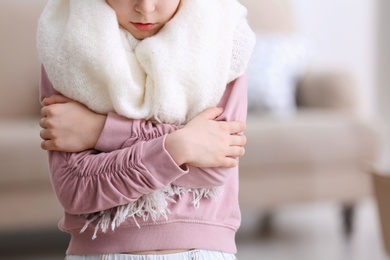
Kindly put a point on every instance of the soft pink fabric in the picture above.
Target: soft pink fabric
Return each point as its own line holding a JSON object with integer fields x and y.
{"x": 130, "y": 161}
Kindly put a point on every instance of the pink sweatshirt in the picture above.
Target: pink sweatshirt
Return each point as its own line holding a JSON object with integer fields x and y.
{"x": 129, "y": 161}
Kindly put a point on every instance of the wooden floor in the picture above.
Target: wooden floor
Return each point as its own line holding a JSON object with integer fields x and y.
{"x": 304, "y": 232}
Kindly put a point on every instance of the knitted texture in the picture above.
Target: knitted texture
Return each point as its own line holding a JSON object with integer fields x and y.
{"x": 169, "y": 77}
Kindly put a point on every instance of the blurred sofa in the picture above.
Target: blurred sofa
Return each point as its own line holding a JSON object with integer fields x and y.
{"x": 27, "y": 201}
{"x": 323, "y": 151}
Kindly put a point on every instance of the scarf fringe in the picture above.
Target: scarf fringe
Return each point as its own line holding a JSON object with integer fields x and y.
{"x": 153, "y": 205}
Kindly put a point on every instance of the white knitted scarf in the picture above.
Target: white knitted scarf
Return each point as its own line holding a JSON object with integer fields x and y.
{"x": 168, "y": 78}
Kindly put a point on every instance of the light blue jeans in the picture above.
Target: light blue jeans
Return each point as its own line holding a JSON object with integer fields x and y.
{"x": 190, "y": 255}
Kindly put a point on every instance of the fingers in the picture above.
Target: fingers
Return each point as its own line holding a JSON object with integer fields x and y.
{"x": 46, "y": 144}
{"x": 238, "y": 140}
{"x": 45, "y": 134}
{"x": 211, "y": 113}
{"x": 229, "y": 162}
{"x": 50, "y": 110}
{"x": 55, "y": 99}
{"x": 46, "y": 111}
{"x": 236, "y": 127}
{"x": 43, "y": 122}
{"x": 232, "y": 127}
{"x": 236, "y": 151}
{"x": 50, "y": 142}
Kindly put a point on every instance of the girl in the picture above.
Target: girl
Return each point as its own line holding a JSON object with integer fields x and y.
{"x": 151, "y": 185}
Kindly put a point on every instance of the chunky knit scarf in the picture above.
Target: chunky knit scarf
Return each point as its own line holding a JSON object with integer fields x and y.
{"x": 168, "y": 78}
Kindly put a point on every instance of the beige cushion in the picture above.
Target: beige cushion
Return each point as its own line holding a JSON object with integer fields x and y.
{"x": 337, "y": 90}
{"x": 314, "y": 155}
{"x": 315, "y": 137}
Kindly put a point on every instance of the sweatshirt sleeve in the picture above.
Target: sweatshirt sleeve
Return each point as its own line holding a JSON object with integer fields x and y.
{"x": 234, "y": 102}
{"x": 91, "y": 181}
{"x": 120, "y": 132}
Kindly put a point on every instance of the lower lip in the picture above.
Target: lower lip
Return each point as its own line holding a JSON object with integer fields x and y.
{"x": 144, "y": 26}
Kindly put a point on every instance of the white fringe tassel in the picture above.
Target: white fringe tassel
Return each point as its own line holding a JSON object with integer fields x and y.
{"x": 151, "y": 205}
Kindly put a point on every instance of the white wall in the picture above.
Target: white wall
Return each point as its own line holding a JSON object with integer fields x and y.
{"x": 384, "y": 60}
{"x": 343, "y": 33}
{"x": 383, "y": 93}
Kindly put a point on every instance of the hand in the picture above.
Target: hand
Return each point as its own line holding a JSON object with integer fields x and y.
{"x": 69, "y": 126}
{"x": 204, "y": 142}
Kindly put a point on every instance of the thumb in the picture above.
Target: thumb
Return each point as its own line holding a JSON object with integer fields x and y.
{"x": 211, "y": 113}
{"x": 56, "y": 99}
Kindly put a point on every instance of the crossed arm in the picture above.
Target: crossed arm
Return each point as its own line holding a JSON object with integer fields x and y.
{"x": 69, "y": 126}
{"x": 206, "y": 150}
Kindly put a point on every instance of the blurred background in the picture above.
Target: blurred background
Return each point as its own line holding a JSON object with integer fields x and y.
{"x": 318, "y": 130}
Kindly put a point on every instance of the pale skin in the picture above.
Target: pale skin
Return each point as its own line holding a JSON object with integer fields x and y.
{"x": 69, "y": 126}
{"x": 144, "y": 18}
